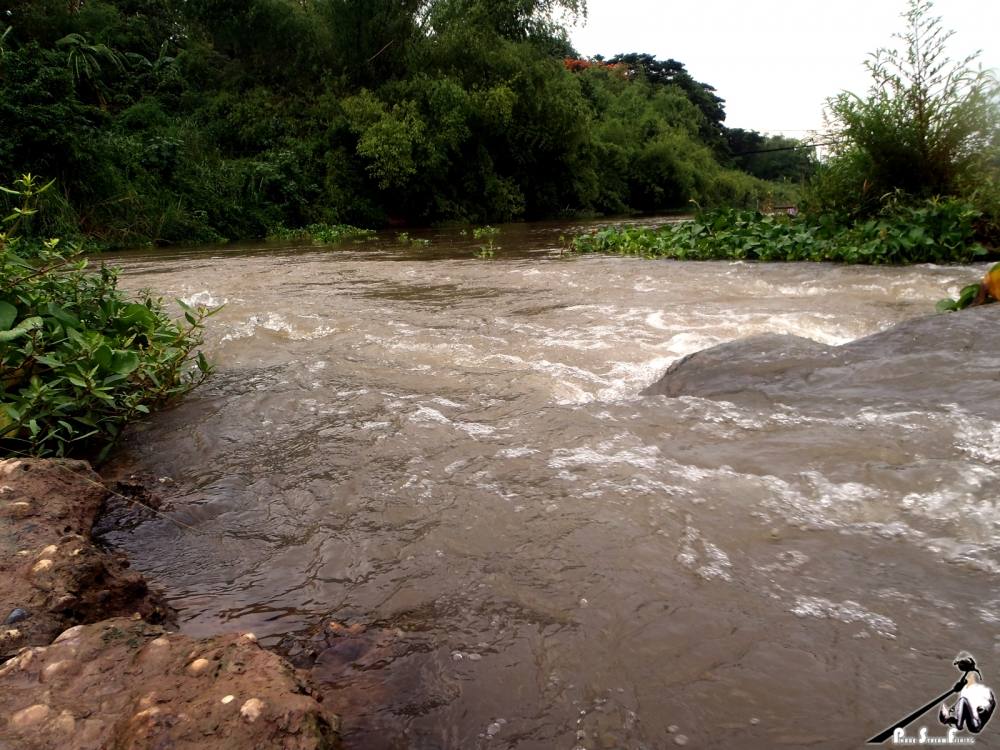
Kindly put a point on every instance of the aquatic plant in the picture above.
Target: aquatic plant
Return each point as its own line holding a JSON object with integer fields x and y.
{"x": 321, "y": 234}
{"x": 935, "y": 231}
{"x": 78, "y": 358}
{"x": 404, "y": 238}
{"x": 980, "y": 293}
{"x": 489, "y": 248}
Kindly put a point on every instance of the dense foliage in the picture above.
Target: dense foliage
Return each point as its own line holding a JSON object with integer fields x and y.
{"x": 933, "y": 232}
{"x": 171, "y": 120}
{"x": 78, "y": 359}
{"x": 929, "y": 126}
{"x": 914, "y": 175}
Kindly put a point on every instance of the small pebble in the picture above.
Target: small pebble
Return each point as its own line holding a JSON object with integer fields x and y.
{"x": 754, "y": 721}
{"x": 681, "y": 739}
{"x": 457, "y": 656}
{"x": 16, "y": 615}
{"x": 584, "y": 603}
{"x": 42, "y": 566}
{"x": 198, "y": 666}
{"x": 493, "y": 729}
{"x": 228, "y": 699}
{"x": 251, "y": 709}
{"x": 30, "y": 716}
{"x": 475, "y": 657}
{"x": 672, "y": 728}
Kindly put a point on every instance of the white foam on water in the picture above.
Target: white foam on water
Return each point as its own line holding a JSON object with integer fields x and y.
{"x": 519, "y": 452}
{"x": 978, "y": 438}
{"x": 446, "y": 402}
{"x": 277, "y": 323}
{"x": 204, "y": 298}
{"x": 473, "y": 429}
{"x": 645, "y": 457}
{"x": 628, "y": 378}
{"x": 655, "y": 320}
{"x": 848, "y": 611}
{"x": 710, "y": 563}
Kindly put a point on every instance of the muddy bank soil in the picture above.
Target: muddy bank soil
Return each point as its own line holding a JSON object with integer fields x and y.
{"x": 124, "y": 682}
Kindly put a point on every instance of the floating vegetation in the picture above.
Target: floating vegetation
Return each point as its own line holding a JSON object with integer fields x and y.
{"x": 935, "y": 231}
{"x": 322, "y": 234}
{"x": 489, "y": 248}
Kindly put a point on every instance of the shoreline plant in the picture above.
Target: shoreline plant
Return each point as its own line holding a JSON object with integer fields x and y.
{"x": 79, "y": 358}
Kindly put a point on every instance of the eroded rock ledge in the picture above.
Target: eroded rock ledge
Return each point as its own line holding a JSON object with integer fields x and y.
{"x": 125, "y": 682}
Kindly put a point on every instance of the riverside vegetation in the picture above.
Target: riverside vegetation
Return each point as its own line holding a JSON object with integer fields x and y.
{"x": 170, "y": 121}
{"x": 78, "y": 359}
{"x": 913, "y": 177}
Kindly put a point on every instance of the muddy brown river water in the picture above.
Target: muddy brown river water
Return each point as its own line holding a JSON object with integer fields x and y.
{"x": 455, "y": 451}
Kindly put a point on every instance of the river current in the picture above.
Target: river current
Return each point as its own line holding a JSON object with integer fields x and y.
{"x": 454, "y": 452}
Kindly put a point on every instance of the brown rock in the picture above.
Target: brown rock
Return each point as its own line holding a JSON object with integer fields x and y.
{"x": 50, "y": 567}
{"x": 121, "y": 683}
{"x": 111, "y": 703}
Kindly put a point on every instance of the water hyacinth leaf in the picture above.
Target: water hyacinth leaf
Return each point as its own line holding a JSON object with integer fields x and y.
{"x": 967, "y": 295}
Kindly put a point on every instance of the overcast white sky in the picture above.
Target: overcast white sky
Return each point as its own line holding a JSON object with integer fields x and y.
{"x": 775, "y": 63}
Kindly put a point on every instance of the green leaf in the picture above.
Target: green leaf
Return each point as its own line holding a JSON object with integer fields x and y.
{"x": 62, "y": 316}
{"x": 124, "y": 362}
{"x": 24, "y": 327}
{"x": 103, "y": 356}
{"x": 7, "y": 315}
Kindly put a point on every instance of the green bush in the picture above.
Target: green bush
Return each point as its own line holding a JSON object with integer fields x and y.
{"x": 78, "y": 358}
{"x": 929, "y": 126}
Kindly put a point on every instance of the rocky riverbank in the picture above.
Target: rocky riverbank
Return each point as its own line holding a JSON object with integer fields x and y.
{"x": 88, "y": 658}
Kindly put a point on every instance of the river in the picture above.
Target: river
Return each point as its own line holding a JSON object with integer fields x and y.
{"x": 454, "y": 451}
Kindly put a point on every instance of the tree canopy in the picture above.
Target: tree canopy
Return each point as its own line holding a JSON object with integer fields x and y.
{"x": 173, "y": 120}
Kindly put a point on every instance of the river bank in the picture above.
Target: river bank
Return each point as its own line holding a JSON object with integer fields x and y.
{"x": 89, "y": 656}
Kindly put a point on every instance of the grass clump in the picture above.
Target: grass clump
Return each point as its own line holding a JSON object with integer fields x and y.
{"x": 78, "y": 358}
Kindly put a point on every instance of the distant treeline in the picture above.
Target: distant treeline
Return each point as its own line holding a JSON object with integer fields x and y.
{"x": 196, "y": 120}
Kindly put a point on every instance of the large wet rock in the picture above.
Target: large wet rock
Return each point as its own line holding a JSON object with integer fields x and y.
{"x": 942, "y": 359}
{"x": 53, "y": 575}
{"x": 124, "y": 683}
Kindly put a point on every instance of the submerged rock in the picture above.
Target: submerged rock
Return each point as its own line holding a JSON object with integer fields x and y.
{"x": 926, "y": 362}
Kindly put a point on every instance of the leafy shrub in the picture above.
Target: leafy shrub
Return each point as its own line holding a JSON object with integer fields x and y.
{"x": 78, "y": 358}
{"x": 928, "y": 126}
{"x": 935, "y": 231}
